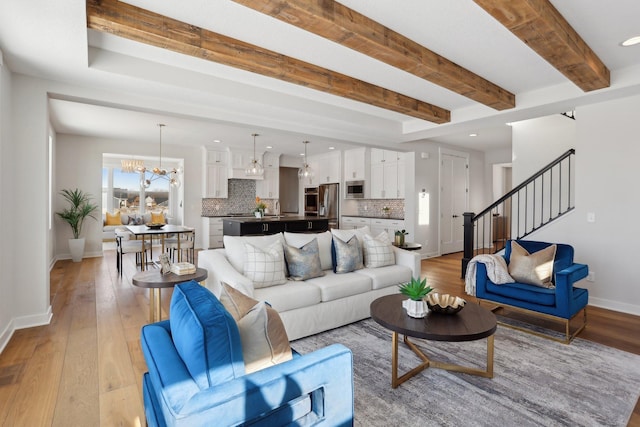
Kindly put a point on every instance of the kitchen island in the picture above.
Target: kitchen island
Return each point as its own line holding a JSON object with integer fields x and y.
{"x": 273, "y": 225}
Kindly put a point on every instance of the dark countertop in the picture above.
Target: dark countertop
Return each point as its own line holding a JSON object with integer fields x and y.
{"x": 275, "y": 218}
{"x": 372, "y": 217}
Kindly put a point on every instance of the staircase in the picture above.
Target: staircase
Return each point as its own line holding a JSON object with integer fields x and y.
{"x": 544, "y": 197}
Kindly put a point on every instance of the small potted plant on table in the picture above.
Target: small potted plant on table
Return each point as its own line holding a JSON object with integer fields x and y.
{"x": 399, "y": 237}
{"x": 416, "y": 290}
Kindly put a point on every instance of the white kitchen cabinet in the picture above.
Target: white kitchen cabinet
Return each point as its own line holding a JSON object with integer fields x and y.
{"x": 354, "y": 222}
{"x": 269, "y": 187}
{"x": 212, "y": 232}
{"x": 385, "y": 174}
{"x": 216, "y": 182}
{"x": 239, "y": 160}
{"x": 387, "y": 226}
{"x": 355, "y": 164}
{"x": 217, "y": 157}
{"x": 326, "y": 169}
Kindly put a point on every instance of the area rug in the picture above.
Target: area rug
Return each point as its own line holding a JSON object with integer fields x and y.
{"x": 537, "y": 382}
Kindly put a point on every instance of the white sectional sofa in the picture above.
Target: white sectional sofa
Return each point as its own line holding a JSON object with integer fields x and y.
{"x": 316, "y": 304}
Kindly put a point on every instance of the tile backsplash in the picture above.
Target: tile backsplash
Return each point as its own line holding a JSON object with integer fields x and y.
{"x": 242, "y": 199}
{"x": 373, "y": 207}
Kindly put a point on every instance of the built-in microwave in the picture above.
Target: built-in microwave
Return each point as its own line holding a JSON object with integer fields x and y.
{"x": 354, "y": 190}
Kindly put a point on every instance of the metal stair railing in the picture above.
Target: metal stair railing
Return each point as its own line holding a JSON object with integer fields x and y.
{"x": 544, "y": 197}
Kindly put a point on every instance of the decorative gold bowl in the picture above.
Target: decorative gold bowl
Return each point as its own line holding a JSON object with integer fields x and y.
{"x": 444, "y": 303}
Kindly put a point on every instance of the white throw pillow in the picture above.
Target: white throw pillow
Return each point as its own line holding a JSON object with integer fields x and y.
{"x": 324, "y": 245}
{"x": 378, "y": 252}
{"x": 265, "y": 267}
{"x": 234, "y": 247}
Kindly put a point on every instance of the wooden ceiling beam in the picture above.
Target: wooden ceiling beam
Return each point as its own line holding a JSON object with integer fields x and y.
{"x": 539, "y": 24}
{"x": 336, "y": 22}
{"x": 124, "y": 20}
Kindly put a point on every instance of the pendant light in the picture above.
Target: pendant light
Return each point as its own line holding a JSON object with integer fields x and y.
{"x": 158, "y": 172}
{"x": 305, "y": 171}
{"x": 254, "y": 168}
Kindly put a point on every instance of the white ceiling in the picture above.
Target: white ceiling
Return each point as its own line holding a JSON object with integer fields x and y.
{"x": 116, "y": 88}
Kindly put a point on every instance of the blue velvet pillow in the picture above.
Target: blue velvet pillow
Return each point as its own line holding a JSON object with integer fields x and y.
{"x": 205, "y": 335}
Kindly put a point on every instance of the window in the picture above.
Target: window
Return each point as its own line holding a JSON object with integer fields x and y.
{"x": 121, "y": 191}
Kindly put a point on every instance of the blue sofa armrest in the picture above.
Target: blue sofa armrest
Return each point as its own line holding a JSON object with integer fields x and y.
{"x": 564, "y": 282}
{"x": 326, "y": 375}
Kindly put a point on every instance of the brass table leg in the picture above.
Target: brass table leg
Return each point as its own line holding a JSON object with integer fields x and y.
{"x": 426, "y": 362}
{"x": 155, "y": 309}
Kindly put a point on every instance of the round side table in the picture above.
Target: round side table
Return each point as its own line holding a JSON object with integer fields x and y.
{"x": 156, "y": 281}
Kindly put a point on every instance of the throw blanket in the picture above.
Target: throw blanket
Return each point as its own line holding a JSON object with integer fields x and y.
{"x": 497, "y": 271}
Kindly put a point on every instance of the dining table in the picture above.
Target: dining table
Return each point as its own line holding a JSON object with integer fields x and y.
{"x": 156, "y": 231}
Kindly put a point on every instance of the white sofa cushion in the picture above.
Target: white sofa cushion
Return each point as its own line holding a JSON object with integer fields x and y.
{"x": 383, "y": 277}
{"x": 324, "y": 244}
{"x": 265, "y": 267}
{"x": 235, "y": 251}
{"x": 335, "y": 286}
{"x": 289, "y": 296}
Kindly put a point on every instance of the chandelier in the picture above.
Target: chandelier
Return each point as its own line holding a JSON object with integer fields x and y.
{"x": 254, "y": 168}
{"x": 305, "y": 171}
{"x": 131, "y": 165}
{"x": 158, "y": 172}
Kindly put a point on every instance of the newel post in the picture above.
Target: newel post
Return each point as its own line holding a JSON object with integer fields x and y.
{"x": 468, "y": 241}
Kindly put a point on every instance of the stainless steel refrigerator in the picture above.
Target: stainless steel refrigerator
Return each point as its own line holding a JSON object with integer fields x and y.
{"x": 329, "y": 203}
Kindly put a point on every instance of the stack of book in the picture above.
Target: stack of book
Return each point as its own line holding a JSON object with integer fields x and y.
{"x": 182, "y": 268}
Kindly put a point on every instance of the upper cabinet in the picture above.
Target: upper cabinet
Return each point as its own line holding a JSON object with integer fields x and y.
{"x": 387, "y": 174}
{"x": 326, "y": 169}
{"x": 269, "y": 187}
{"x": 355, "y": 164}
{"x": 216, "y": 177}
{"x": 240, "y": 159}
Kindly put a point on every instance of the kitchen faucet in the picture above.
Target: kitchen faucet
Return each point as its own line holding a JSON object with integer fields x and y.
{"x": 277, "y": 207}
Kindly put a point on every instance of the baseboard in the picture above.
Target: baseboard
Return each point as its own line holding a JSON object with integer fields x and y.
{"x": 94, "y": 254}
{"x": 6, "y": 335}
{"x": 615, "y": 305}
{"x": 33, "y": 320}
{"x": 22, "y": 323}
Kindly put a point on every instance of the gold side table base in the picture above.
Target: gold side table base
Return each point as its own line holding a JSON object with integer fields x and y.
{"x": 427, "y": 363}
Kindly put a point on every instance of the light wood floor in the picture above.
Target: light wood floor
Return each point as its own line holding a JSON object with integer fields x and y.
{"x": 85, "y": 368}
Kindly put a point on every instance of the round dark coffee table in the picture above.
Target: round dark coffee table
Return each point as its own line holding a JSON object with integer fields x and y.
{"x": 156, "y": 281}
{"x": 473, "y": 322}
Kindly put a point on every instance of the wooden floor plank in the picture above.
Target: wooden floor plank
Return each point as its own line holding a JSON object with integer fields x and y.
{"x": 78, "y": 397}
{"x": 122, "y": 407}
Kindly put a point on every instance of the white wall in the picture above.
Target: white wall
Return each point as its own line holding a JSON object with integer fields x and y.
{"x": 7, "y": 284}
{"x": 87, "y": 175}
{"x": 607, "y": 152}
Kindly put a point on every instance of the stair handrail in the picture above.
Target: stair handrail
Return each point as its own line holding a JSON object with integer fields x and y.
{"x": 526, "y": 182}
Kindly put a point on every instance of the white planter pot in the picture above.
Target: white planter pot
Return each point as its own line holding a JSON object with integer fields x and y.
{"x": 416, "y": 309}
{"x": 76, "y": 247}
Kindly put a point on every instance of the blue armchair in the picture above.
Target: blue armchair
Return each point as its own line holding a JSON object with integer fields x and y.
{"x": 196, "y": 374}
{"x": 561, "y": 302}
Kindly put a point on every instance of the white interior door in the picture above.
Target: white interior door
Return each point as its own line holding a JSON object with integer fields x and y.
{"x": 454, "y": 200}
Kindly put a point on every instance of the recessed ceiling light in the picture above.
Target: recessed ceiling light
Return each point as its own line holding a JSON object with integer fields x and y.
{"x": 216, "y": 140}
{"x": 269, "y": 147}
{"x": 332, "y": 148}
{"x": 473, "y": 134}
{"x": 631, "y": 41}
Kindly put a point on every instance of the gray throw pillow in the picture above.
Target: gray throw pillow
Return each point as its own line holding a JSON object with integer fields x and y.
{"x": 348, "y": 255}
{"x": 304, "y": 262}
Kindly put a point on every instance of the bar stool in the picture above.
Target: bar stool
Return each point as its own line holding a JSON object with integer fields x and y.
{"x": 124, "y": 245}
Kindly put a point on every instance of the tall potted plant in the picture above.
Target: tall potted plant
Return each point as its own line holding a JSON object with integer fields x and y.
{"x": 80, "y": 207}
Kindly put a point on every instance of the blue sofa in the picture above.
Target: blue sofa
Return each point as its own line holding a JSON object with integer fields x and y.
{"x": 562, "y": 302}
{"x": 196, "y": 374}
